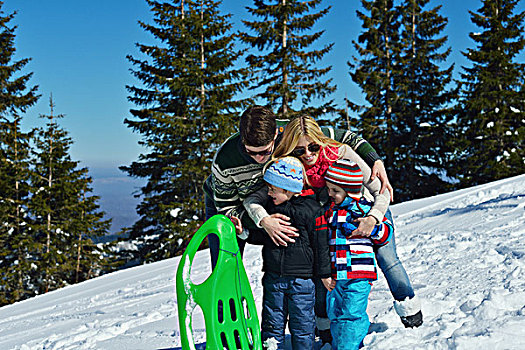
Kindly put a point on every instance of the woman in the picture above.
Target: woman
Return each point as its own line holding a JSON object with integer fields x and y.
{"x": 304, "y": 139}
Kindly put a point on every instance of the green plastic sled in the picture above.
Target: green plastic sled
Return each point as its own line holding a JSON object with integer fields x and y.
{"x": 225, "y": 297}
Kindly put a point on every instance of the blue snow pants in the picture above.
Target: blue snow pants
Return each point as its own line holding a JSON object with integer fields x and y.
{"x": 289, "y": 298}
{"x": 346, "y": 308}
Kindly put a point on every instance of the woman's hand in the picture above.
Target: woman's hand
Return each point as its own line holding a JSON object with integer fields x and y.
{"x": 278, "y": 228}
{"x": 366, "y": 226}
{"x": 380, "y": 171}
{"x": 329, "y": 283}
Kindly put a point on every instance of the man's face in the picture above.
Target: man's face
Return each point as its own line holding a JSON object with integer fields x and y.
{"x": 260, "y": 154}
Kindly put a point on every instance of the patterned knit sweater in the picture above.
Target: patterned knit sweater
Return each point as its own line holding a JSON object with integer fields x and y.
{"x": 354, "y": 257}
{"x": 235, "y": 174}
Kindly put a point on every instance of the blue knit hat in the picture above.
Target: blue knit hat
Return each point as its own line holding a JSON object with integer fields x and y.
{"x": 285, "y": 173}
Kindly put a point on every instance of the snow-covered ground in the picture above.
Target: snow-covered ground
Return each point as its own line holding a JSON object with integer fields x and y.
{"x": 464, "y": 252}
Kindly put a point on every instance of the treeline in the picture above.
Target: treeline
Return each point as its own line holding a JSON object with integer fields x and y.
{"x": 435, "y": 133}
{"x": 49, "y": 219}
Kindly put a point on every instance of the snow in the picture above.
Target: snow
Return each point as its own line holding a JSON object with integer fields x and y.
{"x": 175, "y": 212}
{"x": 463, "y": 250}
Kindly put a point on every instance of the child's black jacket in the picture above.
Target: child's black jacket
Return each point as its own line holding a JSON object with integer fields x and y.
{"x": 309, "y": 256}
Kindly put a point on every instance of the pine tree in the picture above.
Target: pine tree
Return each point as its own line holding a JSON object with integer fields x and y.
{"x": 374, "y": 71}
{"x": 491, "y": 117}
{"x": 91, "y": 258}
{"x": 286, "y": 78}
{"x": 409, "y": 102}
{"x": 17, "y": 247}
{"x": 66, "y": 216}
{"x": 423, "y": 108}
{"x": 188, "y": 107}
{"x": 15, "y": 237}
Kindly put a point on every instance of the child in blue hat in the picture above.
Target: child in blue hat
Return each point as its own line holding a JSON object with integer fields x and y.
{"x": 288, "y": 288}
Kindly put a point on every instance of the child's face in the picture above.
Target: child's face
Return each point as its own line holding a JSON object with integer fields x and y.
{"x": 336, "y": 193}
{"x": 279, "y": 195}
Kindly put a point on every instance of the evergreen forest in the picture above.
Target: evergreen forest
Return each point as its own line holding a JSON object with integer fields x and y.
{"x": 438, "y": 127}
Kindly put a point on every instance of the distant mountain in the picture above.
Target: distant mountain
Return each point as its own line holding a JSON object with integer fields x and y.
{"x": 116, "y": 196}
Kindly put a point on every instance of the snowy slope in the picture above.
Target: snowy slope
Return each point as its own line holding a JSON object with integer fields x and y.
{"x": 463, "y": 250}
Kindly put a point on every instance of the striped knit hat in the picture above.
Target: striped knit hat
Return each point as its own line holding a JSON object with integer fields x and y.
{"x": 285, "y": 173}
{"x": 347, "y": 175}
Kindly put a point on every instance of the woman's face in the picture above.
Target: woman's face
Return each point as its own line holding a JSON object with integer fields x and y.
{"x": 310, "y": 155}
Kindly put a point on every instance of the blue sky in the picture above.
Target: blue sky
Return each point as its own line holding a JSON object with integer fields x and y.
{"x": 79, "y": 48}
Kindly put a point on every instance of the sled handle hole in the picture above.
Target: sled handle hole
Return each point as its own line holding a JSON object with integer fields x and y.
{"x": 220, "y": 312}
{"x": 245, "y": 309}
{"x": 249, "y": 335}
{"x": 224, "y": 341}
{"x": 237, "y": 338}
{"x": 233, "y": 312}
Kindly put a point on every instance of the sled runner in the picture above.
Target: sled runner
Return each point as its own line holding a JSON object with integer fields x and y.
{"x": 225, "y": 297}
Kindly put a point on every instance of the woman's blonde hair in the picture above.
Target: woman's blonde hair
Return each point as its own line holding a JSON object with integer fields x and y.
{"x": 304, "y": 126}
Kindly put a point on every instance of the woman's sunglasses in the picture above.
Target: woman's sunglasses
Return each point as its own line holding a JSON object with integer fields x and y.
{"x": 299, "y": 151}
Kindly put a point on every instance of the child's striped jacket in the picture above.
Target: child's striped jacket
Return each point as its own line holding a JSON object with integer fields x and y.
{"x": 354, "y": 257}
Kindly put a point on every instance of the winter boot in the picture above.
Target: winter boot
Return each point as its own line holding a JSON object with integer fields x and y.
{"x": 322, "y": 329}
{"x": 413, "y": 321}
{"x": 325, "y": 336}
{"x": 409, "y": 310}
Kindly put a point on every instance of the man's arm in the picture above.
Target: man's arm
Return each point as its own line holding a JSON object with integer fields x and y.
{"x": 276, "y": 225}
{"x": 255, "y": 206}
{"x": 358, "y": 144}
{"x": 381, "y": 200}
{"x": 365, "y": 151}
{"x": 224, "y": 193}
{"x": 226, "y": 198}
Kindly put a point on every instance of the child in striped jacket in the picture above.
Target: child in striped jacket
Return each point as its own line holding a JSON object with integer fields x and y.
{"x": 352, "y": 257}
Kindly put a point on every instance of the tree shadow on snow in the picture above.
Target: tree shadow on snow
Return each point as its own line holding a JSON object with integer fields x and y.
{"x": 488, "y": 204}
{"x": 378, "y": 327}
